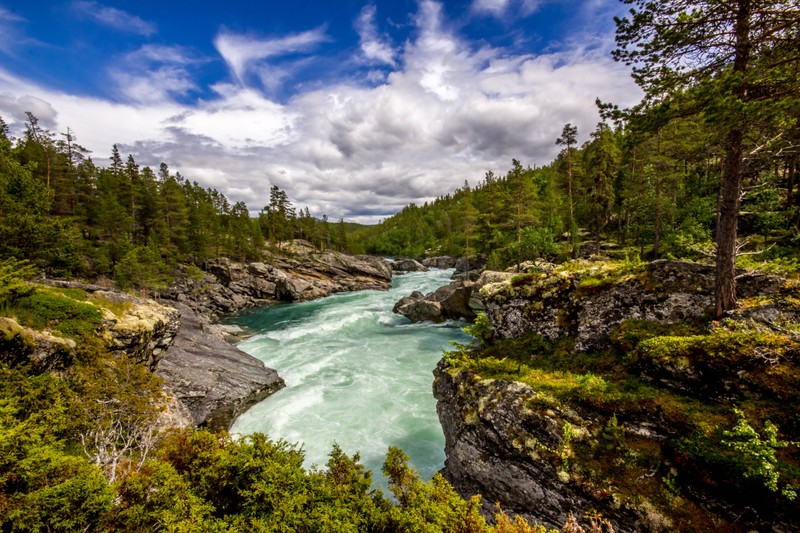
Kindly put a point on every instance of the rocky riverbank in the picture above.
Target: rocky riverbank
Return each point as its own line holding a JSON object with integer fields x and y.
{"x": 209, "y": 380}
{"x": 605, "y": 389}
{"x": 225, "y": 286}
{"x": 214, "y": 380}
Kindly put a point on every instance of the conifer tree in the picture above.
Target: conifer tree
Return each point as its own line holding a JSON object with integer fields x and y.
{"x": 569, "y": 137}
{"x": 734, "y": 56}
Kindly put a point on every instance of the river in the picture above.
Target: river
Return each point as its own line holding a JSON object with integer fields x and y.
{"x": 356, "y": 374}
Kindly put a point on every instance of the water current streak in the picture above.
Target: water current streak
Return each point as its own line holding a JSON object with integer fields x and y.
{"x": 356, "y": 374}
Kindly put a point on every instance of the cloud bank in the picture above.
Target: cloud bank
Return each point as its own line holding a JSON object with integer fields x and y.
{"x": 449, "y": 110}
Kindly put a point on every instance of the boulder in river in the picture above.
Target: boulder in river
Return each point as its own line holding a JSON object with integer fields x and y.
{"x": 442, "y": 262}
{"x": 447, "y": 302}
{"x": 408, "y": 265}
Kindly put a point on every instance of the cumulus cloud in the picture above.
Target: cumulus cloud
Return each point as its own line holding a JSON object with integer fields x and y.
{"x": 450, "y": 110}
{"x": 374, "y": 46}
{"x": 16, "y": 108}
{"x": 114, "y": 18}
{"x": 242, "y": 51}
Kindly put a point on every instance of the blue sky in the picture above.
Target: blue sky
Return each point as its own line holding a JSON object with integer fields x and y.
{"x": 355, "y": 108}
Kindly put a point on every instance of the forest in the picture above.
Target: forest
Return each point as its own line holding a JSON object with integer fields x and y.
{"x": 73, "y": 218}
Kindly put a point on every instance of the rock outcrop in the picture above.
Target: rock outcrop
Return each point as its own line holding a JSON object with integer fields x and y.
{"x": 450, "y": 302}
{"x": 42, "y": 350}
{"x": 588, "y": 303}
{"x": 493, "y": 442}
{"x": 227, "y": 286}
{"x": 469, "y": 268}
{"x": 608, "y": 390}
{"x": 407, "y": 265}
{"x": 214, "y": 380}
{"x": 442, "y": 262}
{"x": 130, "y": 326}
{"x": 144, "y": 331}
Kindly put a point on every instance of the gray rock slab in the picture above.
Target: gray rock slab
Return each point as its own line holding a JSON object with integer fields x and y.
{"x": 214, "y": 380}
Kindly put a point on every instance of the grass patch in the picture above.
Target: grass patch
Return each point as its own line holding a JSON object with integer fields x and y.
{"x": 118, "y": 307}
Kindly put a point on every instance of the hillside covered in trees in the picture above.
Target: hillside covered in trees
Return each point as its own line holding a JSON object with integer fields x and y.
{"x": 648, "y": 193}
{"x": 74, "y": 218}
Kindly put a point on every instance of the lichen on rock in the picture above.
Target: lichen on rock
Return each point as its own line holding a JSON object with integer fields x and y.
{"x": 606, "y": 388}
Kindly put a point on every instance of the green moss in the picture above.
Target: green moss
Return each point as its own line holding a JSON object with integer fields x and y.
{"x": 721, "y": 347}
{"x": 118, "y": 307}
{"x": 75, "y": 294}
{"x": 529, "y": 278}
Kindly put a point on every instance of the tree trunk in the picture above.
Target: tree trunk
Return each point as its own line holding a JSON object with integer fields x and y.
{"x": 732, "y": 169}
{"x": 727, "y": 224}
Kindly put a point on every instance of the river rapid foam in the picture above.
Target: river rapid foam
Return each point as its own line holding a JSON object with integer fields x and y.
{"x": 356, "y": 374}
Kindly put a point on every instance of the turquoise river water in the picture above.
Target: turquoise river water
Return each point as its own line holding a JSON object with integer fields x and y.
{"x": 356, "y": 374}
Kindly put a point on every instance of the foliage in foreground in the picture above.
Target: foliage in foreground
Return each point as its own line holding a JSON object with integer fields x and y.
{"x": 78, "y": 451}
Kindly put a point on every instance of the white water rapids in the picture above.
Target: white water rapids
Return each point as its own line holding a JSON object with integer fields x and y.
{"x": 356, "y": 374}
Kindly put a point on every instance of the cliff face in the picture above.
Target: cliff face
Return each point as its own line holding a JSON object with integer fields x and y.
{"x": 607, "y": 390}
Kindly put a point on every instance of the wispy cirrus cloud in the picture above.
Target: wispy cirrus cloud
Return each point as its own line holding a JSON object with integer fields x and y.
{"x": 13, "y": 37}
{"x": 241, "y": 52}
{"x": 155, "y": 73}
{"x": 494, "y": 7}
{"x": 114, "y": 18}
{"x": 374, "y": 46}
{"x": 504, "y": 8}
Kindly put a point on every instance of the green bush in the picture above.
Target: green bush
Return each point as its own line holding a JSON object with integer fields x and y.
{"x": 13, "y": 281}
{"x": 758, "y": 452}
{"x": 46, "y": 308}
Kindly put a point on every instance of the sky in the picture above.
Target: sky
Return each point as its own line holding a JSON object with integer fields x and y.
{"x": 354, "y": 108}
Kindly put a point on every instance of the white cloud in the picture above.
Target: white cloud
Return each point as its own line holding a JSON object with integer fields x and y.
{"x": 154, "y": 73}
{"x": 13, "y": 38}
{"x": 373, "y": 45}
{"x": 495, "y": 7}
{"x": 115, "y": 18}
{"x": 241, "y": 51}
{"x": 448, "y": 112}
{"x": 501, "y": 8}
{"x": 15, "y": 109}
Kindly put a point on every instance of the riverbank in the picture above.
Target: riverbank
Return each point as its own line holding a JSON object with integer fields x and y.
{"x": 212, "y": 379}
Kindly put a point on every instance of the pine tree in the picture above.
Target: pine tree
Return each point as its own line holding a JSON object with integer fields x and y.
{"x": 569, "y": 137}
{"x": 736, "y": 57}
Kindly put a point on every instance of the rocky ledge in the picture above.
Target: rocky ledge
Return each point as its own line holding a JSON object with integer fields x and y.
{"x": 605, "y": 389}
{"x": 226, "y": 286}
{"x": 587, "y": 301}
{"x": 212, "y": 379}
